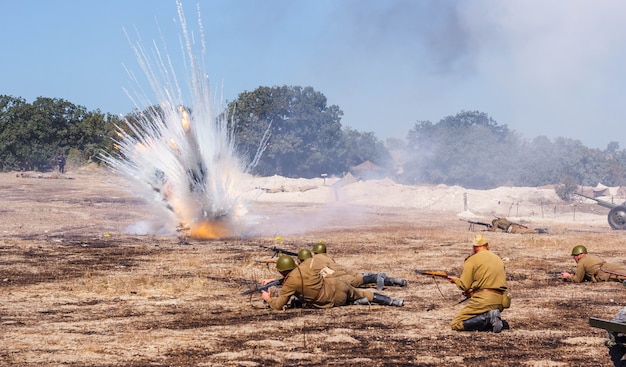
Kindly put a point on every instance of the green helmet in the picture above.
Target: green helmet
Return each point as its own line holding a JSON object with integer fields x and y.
{"x": 303, "y": 254}
{"x": 580, "y": 249}
{"x": 285, "y": 263}
{"x": 319, "y": 248}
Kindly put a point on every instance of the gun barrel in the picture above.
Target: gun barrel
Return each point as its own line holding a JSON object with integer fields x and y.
{"x": 602, "y": 203}
{"x": 278, "y": 250}
{"x": 264, "y": 287}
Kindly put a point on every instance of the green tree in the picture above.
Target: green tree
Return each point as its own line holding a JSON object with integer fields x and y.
{"x": 11, "y": 109}
{"x": 567, "y": 188}
{"x": 33, "y": 134}
{"x": 303, "y": 130}
{"x": 468, "y": 149}
{"x": 356, "y": 147}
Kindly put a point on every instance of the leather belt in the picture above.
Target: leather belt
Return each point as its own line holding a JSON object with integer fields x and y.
{"x": 499, "y": 291}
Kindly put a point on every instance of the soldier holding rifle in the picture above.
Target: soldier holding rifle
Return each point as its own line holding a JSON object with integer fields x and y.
{"x": 327, "y": 266}
{"x": 593, "y": 268}
{"x": 316, "y": 291}
{"x": 484, "y": 280}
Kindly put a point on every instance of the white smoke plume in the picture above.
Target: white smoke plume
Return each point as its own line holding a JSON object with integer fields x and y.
{"x": 182, "y": 154}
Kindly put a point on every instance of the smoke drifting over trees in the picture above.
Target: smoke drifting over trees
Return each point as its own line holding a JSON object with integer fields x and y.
{"x": 307, "y": 139}
{"x": 472, "y": 150}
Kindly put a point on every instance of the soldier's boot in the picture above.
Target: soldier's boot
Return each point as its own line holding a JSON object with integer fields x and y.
{"x": 369, "y": 278}
{"x": 381, "y": 299}
{"x": 361, "y": 301}
{"x": 395, "y": 281}
{"x": 479, "y": 322}
{"x": 380, "y": 280}
{"x": 375, "y": 278}
{"x": 495, "y": 320}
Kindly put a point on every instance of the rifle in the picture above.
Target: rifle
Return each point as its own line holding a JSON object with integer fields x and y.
{"x": 270, "y": 261}
{"x": 278, "y": 250}
{"x": 264, "y": 287}
{"x": 444, "y": 274}
{"x": 436, "y": 273}
{"x": 557, "y": 273}
{"x": 472, "y": 223}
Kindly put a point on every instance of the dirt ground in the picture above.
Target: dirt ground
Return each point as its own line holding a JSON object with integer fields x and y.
{"x": 77, "y": 291}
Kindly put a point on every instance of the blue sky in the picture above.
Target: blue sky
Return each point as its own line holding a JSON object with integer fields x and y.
{"x": 544, "y": 68}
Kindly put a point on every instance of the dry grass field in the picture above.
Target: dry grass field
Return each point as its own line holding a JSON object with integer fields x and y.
{"x": 76, "y": 290}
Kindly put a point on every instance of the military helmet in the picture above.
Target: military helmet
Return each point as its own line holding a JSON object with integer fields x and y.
{"x": 319, "y": 248}
{"x": 285, "y": 263}
{"x": 580, "y": 249}
{"x": 303, "y": 254}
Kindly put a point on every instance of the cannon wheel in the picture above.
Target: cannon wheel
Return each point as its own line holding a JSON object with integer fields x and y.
{"x": 617, "y": 217}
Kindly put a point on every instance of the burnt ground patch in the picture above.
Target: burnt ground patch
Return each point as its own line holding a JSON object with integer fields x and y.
{"x": 45, "y": 259}
{"x": 75, "y": 297}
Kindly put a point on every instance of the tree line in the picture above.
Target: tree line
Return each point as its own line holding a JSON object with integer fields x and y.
{"x": 472, "y": 150}
{"x": 303, "y": 137}
{"x": 33, "y": 134}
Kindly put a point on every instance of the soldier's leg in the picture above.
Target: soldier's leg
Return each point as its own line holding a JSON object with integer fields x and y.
{"x": 345, "y": 294}
{"x": 395, "y": 281}
{"x": 465, "y": 313}
{"x": 366, "y": 296}
{"x": 369, "y": 278}
{"x": 479, "y": 305}
{"x": 381, "y": 280}
{"x": 358, "y": 280}
{"x": 360, "y": 296}
{"x": 375, "y": 278}
{"x": 381, "y": 299}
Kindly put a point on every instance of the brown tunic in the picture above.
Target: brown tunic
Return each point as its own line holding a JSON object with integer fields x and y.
{"x": 313, "y": 289}
{"x": 593, "y": 268}
{"x": 483, "y": 270}
{"x": 508, "y": 226}
{"x": 320, "y": 261}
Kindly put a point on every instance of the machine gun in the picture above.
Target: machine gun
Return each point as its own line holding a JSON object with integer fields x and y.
{"x": 473, "y": 223}
{"x": 617, "y": 213}
{"x": 278, "y": 250}
{"x": 264, "y": 287}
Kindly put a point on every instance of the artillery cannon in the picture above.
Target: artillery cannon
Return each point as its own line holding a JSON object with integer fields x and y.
{"x": 617, "y": 214}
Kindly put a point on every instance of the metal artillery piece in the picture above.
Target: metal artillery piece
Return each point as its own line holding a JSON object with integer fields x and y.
{"x": 617, "y": 214}
{"x": 616, "y": 336}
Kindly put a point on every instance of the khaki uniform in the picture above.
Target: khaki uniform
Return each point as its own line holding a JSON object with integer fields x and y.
{"x": 484, "y": 273}
{"x": 326, "y": 266}
{"x": 506, "y": 225}
{"x": 518, "y": 228}
{"x": 594, "y": 269}
{"x": 500, "y": 224}
{"x": 314, "y": 290}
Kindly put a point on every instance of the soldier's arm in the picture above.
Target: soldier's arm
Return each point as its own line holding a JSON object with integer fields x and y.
{"x": 580, "y": 273}
{"x": 288, "y": 289}
{"x": 464, "y": 282}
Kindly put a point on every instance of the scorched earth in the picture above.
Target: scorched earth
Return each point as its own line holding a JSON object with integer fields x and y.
{"x": 77, "y": 289}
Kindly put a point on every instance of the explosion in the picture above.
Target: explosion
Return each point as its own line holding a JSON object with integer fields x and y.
{"x": 180, "y": 155}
